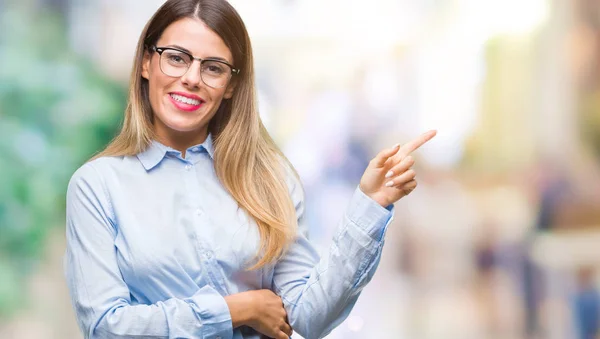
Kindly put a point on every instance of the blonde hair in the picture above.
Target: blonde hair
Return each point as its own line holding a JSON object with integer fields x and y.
{"x": 247, "y": 161}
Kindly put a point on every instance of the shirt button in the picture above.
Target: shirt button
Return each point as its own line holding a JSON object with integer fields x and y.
{"x": 187, "y": 167}
{"x": 198, "y": 212}
{"x": 208, "y": 255}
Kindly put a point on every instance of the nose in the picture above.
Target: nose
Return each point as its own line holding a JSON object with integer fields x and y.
{"x": 192, "y": 78}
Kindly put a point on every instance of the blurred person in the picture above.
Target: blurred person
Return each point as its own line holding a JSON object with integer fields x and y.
{"x": 190, "y": 223}
{"x": 586, "y": 304}
{"x": 492, "y": 281}
{"x": 486, "y": 267}
{"x": 552, "y": 189}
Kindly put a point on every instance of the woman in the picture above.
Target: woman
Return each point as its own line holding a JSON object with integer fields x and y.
{"x": 190, "y": 223}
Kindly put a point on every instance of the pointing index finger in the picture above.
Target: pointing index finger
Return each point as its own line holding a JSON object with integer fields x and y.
{"x": 416, "y": 143}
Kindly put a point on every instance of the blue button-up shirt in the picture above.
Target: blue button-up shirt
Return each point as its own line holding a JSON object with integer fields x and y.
{"x": 154, "y": 242}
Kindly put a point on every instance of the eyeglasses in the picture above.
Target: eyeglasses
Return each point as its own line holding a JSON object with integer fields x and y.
{"x": 175, "y": 63}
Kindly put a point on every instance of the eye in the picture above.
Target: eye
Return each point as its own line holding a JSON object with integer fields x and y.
{"x": 215, "y": 68}
{"x": 176, "y": 58}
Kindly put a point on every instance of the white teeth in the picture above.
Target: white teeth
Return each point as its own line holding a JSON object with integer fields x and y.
{"x": 185, "y": 100}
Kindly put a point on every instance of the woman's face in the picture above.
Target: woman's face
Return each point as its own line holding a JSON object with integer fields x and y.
{"x": 174, "y": 119}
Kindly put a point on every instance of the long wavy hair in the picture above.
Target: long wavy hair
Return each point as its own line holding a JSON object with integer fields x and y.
{"x": 247, "y": 161}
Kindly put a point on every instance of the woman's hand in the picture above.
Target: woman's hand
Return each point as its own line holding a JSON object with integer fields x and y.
{"x": 389, "y": 176}
{"x": 268, "y": 315}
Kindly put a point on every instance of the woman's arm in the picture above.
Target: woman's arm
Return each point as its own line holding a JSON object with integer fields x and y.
{"x": 101, "y": 298}
{"x": 319, "y": 294}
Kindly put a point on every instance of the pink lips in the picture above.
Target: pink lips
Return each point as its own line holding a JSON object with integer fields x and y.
{"x": 183, "y": 106}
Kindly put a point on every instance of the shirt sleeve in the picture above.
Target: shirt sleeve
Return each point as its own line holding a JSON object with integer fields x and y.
{"x": 101, "y": 298}
{"x": 319, "y": 293}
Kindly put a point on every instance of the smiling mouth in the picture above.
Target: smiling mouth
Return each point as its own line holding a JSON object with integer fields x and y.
{"x": 185, "y": 100}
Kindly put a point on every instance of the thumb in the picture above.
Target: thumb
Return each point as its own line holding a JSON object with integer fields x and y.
{"x": 381, "y": 158}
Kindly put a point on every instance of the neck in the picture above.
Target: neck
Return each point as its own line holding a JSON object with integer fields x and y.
{"x": 181, "y": 141}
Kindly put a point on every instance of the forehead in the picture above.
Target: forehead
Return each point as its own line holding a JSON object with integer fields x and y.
{"x": 194, "y": 35}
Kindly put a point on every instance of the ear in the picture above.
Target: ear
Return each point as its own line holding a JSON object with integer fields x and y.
{"x": 146, "y": 65}
{"x": 230, "y": 89}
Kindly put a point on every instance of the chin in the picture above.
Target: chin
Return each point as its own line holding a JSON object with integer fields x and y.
{"x": 184, "y": 128}
{"x": 184, "y": 122}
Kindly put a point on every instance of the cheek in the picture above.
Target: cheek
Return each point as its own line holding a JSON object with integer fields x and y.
{"x": 216, "y": 95}
{"x": 156, "y": 81}
{"x": 157, "y": 87}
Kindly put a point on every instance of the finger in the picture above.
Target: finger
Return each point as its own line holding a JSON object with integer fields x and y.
{"x": 282, "y": 335}
{"x": 402, "y": 167}
{"x": 287, "y": 329}
{"x": 285, "y": 324}
{"x": 402, "y": 178}
{"x": 416, "y": 143}
{"x": 380, "y": 159}
{"x": 409, "y": 187}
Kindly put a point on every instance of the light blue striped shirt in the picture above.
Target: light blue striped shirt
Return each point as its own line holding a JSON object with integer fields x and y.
{"x": 154, "y": 242}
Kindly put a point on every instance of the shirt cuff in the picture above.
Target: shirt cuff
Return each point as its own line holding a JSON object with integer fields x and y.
{"x": 213, "y": 312}
{"x": 368, "y": 215}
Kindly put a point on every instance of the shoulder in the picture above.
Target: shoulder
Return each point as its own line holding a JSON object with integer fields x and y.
{"x": 91, "y": 177}
{"x": 87, "y": 194}
{"x": 94, "y": 169}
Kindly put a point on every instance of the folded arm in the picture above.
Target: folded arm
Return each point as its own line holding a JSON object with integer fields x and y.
{"x": 101, "y": 298}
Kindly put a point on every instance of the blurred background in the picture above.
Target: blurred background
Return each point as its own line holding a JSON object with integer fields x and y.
{"x": 500, "y": 240}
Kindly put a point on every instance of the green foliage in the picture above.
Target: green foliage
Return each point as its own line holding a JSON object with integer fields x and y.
{"x": 56, "y": 110}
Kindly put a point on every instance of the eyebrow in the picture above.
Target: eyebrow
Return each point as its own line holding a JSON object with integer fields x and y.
{"x": 190, "y": 53}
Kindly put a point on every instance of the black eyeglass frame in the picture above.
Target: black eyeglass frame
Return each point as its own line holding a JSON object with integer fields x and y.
{"x": 160, "y": 50}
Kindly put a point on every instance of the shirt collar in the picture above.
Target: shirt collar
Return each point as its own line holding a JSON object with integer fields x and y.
{"x": 208, "y": 146}
{"x": 156, "y": 152}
